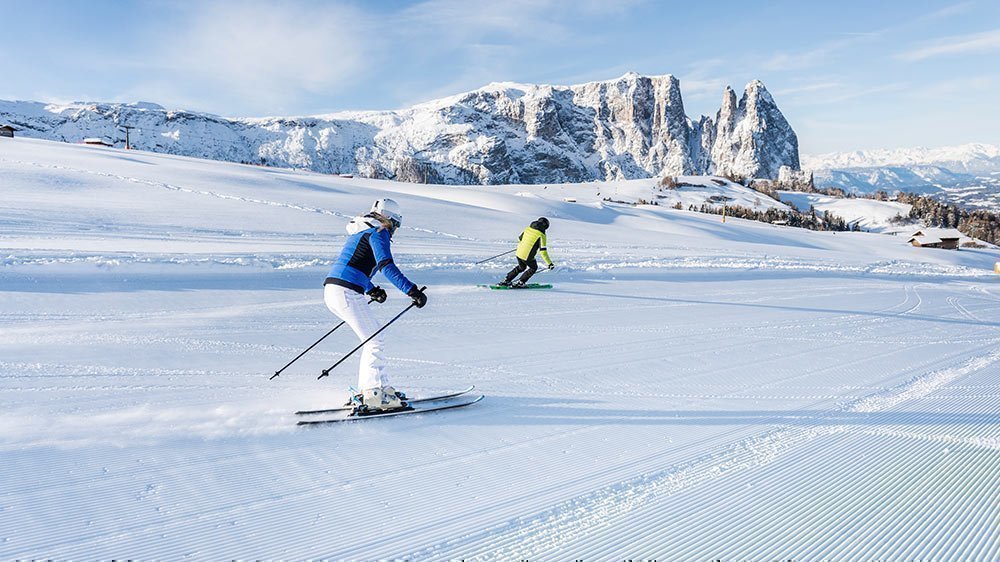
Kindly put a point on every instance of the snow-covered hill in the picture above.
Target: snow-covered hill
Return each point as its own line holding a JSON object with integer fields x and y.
{"x": 868, "y": 214}
{"x": 968, "y": 174}
{"x": 688, "y": 390}
{"x": 628, "y": 128}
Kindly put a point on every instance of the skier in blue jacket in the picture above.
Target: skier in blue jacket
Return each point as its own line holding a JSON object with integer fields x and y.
{"x": 366, "y": 252}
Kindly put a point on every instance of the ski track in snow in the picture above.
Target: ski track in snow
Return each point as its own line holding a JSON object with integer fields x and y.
{"x": 544, "y": 534}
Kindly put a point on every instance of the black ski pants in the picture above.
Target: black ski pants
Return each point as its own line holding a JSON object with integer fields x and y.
{"x": 529, "y": 267}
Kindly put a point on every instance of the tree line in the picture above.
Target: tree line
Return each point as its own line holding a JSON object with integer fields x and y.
{"x": 930, "y": 212}
{"x": 811, "y": 220}
{"x": 978, "y": 223}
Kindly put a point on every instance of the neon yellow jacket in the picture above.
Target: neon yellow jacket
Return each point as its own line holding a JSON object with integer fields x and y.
{"x": 532, "y": 240}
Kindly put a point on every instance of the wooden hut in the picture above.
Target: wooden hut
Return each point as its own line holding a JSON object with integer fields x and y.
{"x": 6, "y": 130}
{"x": 945, "y": 238}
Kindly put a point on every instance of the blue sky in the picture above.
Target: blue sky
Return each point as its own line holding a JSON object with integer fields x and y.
{"x": 848, "y": 75}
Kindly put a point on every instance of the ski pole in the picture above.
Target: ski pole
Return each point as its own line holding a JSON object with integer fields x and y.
{"x": 278, "y": 372}
{"x": 543, "y": 270}
{"x": 326, "y": 372}
{"x": 495, "y": 257}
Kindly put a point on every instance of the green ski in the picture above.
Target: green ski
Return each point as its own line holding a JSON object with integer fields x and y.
{"x": 526, "y": 286}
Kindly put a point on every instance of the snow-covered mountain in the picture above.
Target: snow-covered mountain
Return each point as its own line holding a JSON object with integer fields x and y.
{"x": 973, "y": 158}
{"x": 628, "y": 128}
{"x": 968, "y": 174}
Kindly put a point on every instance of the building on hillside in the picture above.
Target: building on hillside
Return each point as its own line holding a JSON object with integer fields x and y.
{"x": 945, "y": 238}
{"x": 96, "y": 141}
{"x": 7, "y": 130}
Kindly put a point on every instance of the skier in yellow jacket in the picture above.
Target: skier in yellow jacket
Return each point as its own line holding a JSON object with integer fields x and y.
{"x": 532, "y": 241}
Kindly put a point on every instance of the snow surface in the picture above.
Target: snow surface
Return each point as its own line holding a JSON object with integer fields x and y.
{"x": 690, "y": 390}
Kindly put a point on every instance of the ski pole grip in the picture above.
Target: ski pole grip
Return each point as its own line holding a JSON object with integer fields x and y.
{"x": 414, "y": 303}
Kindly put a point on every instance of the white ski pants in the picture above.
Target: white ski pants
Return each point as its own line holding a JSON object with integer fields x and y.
{"x": 352, "y": 307}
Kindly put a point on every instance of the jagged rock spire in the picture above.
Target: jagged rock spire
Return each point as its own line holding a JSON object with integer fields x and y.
{"x": 753, "y": 139}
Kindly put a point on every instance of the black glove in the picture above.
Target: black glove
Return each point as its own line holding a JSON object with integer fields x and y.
{"x": 377, "y": 294}
{"x": 418, "y": 296}
{"x": 552, "y": 266}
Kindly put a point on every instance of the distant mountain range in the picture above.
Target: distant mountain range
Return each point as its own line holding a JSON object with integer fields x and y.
{"x": 970, "y": 158}
{"x": 631, "y": 127}
{"x": 968, "y": 174}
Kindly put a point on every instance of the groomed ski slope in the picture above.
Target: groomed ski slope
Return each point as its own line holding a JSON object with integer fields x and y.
{"x": 689, "y": 390}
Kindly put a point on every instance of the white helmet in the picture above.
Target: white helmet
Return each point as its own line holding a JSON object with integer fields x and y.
{"x": 388, "y": 209}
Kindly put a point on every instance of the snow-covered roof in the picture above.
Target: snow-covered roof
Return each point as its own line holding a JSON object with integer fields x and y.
{"x": 936, "y": 236}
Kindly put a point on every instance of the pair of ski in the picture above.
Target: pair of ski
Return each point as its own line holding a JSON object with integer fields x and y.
{"x": 519, "y": 287}
{"x": 415, "y": 406}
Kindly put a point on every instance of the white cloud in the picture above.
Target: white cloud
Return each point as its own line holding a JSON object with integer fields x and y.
{"x": 698, "y": 86}
{"x": 451, "y": 21}
{"x": 847, "y": 94}
{"x": 486, "y": 40}
{"x": 956, "y": 45}
{"x": 954, "y": 87}
{"x": 818, "y": 55}
{"x": 822, "y": 53}
{"x": 444, "y": 25}
{"x": 703, "y": 80}
{"x": 808, "y": 88}
{"x": 947, "y": 11}
{"x": 266, "y": 54}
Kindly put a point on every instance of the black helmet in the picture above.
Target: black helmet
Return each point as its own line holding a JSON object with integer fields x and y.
{"x": 542, "y": 223}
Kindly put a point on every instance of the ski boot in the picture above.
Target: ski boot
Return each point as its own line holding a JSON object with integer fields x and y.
{"x": 504, "y": 283}
{"x": 517, "y": 284}
{"x": 358, "y": 398}
{"x": 374, "y": 400}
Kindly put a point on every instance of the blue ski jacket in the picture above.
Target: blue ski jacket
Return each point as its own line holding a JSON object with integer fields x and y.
{"x": 365, "y": 254}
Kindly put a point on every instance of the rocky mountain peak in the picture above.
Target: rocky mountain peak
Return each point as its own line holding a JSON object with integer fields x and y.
{"x": 634, "y": 126}
{"x": 753, "y": 138}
